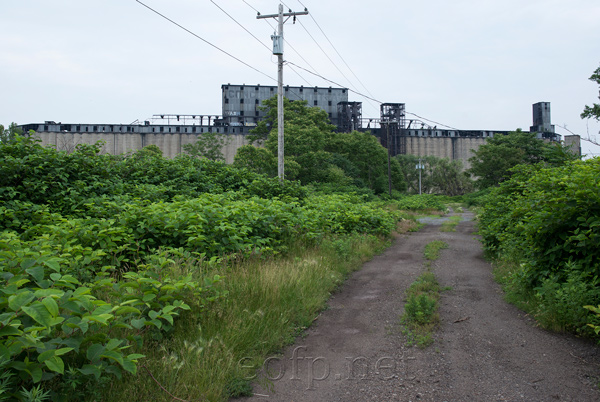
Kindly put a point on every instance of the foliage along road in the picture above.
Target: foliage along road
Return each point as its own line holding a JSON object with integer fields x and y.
{"x": 485, "y": 349}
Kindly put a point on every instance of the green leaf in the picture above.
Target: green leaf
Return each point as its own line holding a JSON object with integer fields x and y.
{"x": 46, "y": 355}
{"x": 17, "y": 301}
{"x": 138, "y": 323}
{"x": 39, "y": 313}
{"x": 135, "y": 356}
{"x": 52, "y": 264}
{"x": 94, "y": 352}
{"x": 129, "y": 366}
{"x": 10, "y": 331}
{"x": 153, "y": 314}
{"x": 89, "y": 369}
{"x": 56, "y": 364}
{"x": 28, "y": 263}
{"x": 127, "y": 310}
{"x": 62, "y": 351}
{"x": 113, "y": 344}
{"x": 168, "y": 317}
{"x": 116, "y": 356}
{"x": 51, "y": 306}
{"x": 36, "y": 373}
{"x": 40, "y": 293}
{"x": 55, "y": 276}
{"x": 148, "y": 297}
{"x": 37, "y": 272}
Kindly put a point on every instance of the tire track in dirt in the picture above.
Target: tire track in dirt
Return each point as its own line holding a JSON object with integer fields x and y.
{"x": 485, "y": 349}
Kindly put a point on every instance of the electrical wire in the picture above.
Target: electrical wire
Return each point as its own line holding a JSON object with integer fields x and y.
{"x": 335, "y": 49}
{"x": 326, "y": 55}
{"x": 333, "y": 82}
{"x": 266, "y": 75}
{"x": 243, "y": 27}
{"x": 204, "y": 40}
{"x": 286, "y": 42}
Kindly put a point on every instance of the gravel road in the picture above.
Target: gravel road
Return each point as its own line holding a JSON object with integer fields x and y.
{"x": 484, "y": 350}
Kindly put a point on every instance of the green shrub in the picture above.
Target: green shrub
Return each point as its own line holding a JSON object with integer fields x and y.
{"x": 548, "y": 221}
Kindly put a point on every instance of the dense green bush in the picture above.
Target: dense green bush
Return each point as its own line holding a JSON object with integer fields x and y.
{"x": 86, "y": 241}
{"x": 547, "y": 220}
{"x": 421, "y": 202}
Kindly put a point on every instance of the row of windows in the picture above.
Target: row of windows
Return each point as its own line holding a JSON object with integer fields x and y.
{"x": 132, "y": 129}
{"x": 256, "y": 102}
{"x": 287, "y": 88}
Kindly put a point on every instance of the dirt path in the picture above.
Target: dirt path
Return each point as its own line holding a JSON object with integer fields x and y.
{"x": 485, "y": 350}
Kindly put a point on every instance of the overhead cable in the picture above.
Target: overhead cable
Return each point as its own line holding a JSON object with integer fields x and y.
{"x": 243, "y": 27}
{"x": 205, "y": 41}
{"x": 335, "y": 49}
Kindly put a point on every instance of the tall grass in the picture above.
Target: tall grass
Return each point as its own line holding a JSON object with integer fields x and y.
{"x": 213, "y": 354}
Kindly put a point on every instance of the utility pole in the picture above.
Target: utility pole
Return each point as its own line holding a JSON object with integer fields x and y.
{"x": 278, "y": 50}
{"x": 420, "y": 167}
{"x": 389, "y": 149}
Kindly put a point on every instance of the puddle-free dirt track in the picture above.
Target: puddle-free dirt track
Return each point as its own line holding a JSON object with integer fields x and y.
{"x": 484, "y": 350}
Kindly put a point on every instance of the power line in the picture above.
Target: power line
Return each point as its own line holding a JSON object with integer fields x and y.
{"x": 204, "y": 40}
{"x": 243, "y": 27}
{"x": 333, "y": 82}
{"x": 325, "y": 53}
{"x": 335, "y": 49}
{"x": 286, "y": 42}
{"x": 432, "y": 121}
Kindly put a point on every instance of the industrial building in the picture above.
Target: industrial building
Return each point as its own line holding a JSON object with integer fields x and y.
{"x": 241, "y": 111}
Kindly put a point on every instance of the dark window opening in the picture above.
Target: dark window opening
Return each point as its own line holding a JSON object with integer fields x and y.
{"x": 316, "y": 103}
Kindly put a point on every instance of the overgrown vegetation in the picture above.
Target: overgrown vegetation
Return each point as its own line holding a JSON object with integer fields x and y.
{"x": 492, "y": 162}
{"x": 438, "y": 175}
{"x": 450, "y": 224}
{"x": 544, "y": 226}
{"x": 101, "y": 255}
{"x": 315, "y": 154}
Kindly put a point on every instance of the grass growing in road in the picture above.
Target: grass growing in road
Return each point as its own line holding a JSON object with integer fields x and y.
{"x": 432, "y": 250}
{"x": 421, "y": 317}
{"x": 450, "y": 224}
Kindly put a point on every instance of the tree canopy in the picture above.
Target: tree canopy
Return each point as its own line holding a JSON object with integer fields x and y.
{"x": 493, "y": 161}
{"x": 315, "y": 153}
{"x": 593, "y": 112}
{"x": 438, "y": 176}
{"x": 8, "y": 134}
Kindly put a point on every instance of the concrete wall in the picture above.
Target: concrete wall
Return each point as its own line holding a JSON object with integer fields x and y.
{"x": 119, "y": 143}
{"x": 172, "y": 144}
{"x": 444, "y": 147}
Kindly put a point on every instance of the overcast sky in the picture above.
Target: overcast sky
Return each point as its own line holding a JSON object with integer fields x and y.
{"x": 468, "y": 64}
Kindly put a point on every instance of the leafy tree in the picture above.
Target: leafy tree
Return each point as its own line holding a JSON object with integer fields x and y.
{"x": 209, "y": 146}
{"x": 492, "y": 162}
{"x": 9, "y": 134}
{"x": 365, "y": 159}
{"x": 259, "y": 160}
{"x": 314, "y": 153}
{"x": 593, "y": 112}
{"x": 294, "y": 112}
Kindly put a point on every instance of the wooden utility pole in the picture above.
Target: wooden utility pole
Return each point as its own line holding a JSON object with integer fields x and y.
{"x": 278, "y": 50}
